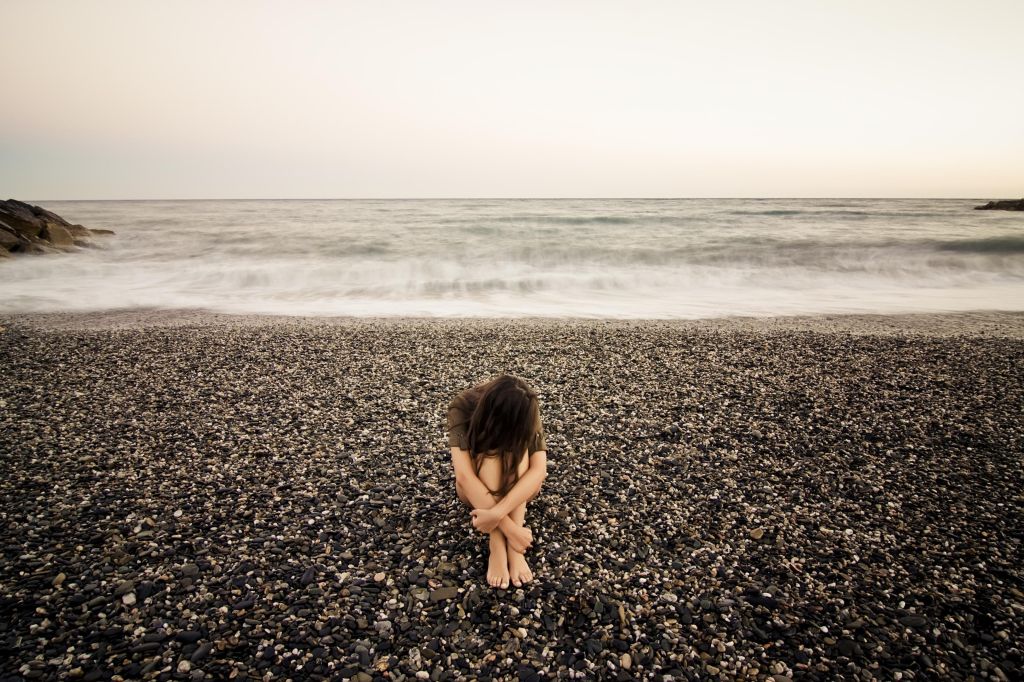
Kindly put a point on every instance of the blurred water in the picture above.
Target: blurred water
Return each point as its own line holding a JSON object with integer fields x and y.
{"x": 628, "y": 258}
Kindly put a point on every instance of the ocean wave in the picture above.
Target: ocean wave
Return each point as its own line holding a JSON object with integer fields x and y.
{"x": 564, "y": 258}
{"x": 993, "y": 245}
{"x": 529, "y": 218}
{"x": 430, "y": 287}
{"x": 847, "y": 213}
{"x": 769, "y": 212}
{"x": 1001, "y": 254}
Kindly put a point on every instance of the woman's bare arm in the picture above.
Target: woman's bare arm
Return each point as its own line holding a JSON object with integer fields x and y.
{"x": 529, "y": 483}
{"x": 478, "y": 495}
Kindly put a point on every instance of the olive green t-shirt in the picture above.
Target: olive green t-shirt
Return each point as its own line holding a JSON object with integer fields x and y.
{"x": 461, "y": 409}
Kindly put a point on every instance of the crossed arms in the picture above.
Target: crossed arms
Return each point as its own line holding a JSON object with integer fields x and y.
{"x": 489, "y": 514}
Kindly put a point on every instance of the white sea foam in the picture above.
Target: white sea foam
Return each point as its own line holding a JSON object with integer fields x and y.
{"x": 590, "y": 258}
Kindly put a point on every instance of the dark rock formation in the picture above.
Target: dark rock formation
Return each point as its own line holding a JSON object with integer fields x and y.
{"x": 25, "y": 228}
{"x": 1004, "y": 205}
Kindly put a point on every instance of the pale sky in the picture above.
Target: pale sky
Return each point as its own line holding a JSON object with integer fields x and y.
{"x": 142, "y": 99}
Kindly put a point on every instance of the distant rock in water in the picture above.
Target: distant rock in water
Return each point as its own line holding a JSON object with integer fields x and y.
{"x": 25, "y": 228}
{"x": 1004, "y": 205}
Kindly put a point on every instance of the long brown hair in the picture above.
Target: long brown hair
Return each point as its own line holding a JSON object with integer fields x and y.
{"x": 504, "y": 421}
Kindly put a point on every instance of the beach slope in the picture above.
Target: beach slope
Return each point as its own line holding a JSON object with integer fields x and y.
{"x": 212, "y": 496}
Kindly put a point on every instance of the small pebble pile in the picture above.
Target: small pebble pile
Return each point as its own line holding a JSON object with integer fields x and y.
{"x": 274, "y": 501}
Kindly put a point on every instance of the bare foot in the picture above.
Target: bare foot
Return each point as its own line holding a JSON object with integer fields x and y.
{"x": 519, "y": 571}
{"x": 497, "y": 563}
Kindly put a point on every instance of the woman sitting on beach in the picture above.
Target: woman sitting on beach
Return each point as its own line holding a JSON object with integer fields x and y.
{"x": 500, "y": 461}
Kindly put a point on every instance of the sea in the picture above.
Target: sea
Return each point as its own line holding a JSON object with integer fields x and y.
{"x": 588, "y": 258}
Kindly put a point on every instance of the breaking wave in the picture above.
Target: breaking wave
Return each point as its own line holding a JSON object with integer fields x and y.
{"x": 593, "y": 258}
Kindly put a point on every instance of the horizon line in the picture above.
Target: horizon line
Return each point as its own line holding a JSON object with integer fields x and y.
{"x": 541, "y": 198}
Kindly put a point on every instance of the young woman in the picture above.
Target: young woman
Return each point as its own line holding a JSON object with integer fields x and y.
{"x": 500, "y": 461}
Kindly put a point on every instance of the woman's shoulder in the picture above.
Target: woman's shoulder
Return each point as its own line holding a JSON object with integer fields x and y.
{"x": 466, "y": 399}
{"x": 462, "y": 405}
{"x": 460, "y": 410}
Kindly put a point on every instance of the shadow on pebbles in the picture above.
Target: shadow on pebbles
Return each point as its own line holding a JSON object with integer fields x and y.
{"x": 274, "y": 501}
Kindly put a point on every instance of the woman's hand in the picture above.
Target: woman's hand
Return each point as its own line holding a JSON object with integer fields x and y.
{"x": 520, "y": 539}
{"x": 486, "y": 520}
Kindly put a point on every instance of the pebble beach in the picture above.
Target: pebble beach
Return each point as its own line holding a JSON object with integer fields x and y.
{"x": 193, "y": 496}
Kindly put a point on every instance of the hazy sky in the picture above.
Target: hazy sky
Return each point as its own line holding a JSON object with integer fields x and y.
{"x": 218, "y": 99}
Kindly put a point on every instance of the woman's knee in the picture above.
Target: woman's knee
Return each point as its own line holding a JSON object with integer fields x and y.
{"x": 490, "y": 473}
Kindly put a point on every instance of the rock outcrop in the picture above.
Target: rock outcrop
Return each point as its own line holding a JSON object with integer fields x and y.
{"x": 1004, "y": 205}
{"x": 25, "y": 228}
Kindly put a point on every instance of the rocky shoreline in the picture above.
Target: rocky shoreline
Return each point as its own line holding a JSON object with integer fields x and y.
{"x": 25, "y": 228}
{"x": 1002, "y": 205}
{"x": 222, "y": 498}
